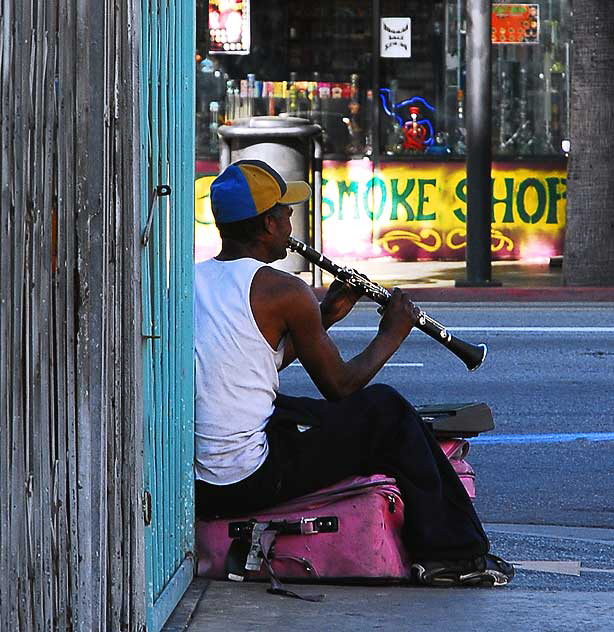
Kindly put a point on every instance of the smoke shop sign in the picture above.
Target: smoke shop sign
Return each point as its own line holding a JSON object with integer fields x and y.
{"x": 417, "y": 211}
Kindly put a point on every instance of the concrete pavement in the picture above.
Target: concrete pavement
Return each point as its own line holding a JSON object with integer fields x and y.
{"x": 539, "y": 280}
{"x": 564, "y": 582}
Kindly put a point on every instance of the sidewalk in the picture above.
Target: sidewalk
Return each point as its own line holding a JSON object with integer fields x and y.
{"x": 435, "y": 281}
{"x": 552, "y": 592}
{"x": 225, "y": 608}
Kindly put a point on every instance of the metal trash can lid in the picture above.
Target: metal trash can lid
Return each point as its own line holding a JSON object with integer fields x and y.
{"x": 270, "y": 127}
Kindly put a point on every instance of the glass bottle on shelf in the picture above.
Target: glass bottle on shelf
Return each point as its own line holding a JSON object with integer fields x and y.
{"x": 214, "y": 147}
{"x": 232, "y": 98}
{"x": 526, "y": 139}
{"x": 504, "y": 110}
{"x": 460, "y": 132}
{"x": 369, "y": 124}
{"x": 395, "y": 138}
{"x": 355, "y": 144}
{"x": 251, "y": 94}
{"x": 292, "y": 102}
{"x": 315, "y": 101}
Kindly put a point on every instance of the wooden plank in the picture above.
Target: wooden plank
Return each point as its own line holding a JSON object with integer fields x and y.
{"x": 131, "y": 425}
{"x": 87, "y": 585}
{"x": 134, "y": 565}
{"x": 155, "y": 253}
{"x": 7, "y": 553}
{"x": 147, "y": 321}
{"x": 167, "y": 536}
{"x": 95, "y": 268}
{"x": 67, "y": 310}
{"x": 188, "y": 26}
{"x": 19, "y": 474}
{"x": 116, "y": 582}
{"x": 175, "y": 328}
{"x": 44, "y": 420}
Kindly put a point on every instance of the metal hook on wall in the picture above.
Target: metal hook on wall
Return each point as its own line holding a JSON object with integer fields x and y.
{"x": 160, "y": 191}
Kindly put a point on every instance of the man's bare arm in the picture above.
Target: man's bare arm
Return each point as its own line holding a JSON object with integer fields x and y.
{"x": 338, "y": 302}
{"x": 334, "y": 377}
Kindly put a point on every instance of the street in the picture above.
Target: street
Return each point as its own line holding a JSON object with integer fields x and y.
{"x": 547, "y": 467}
{"x": 549, "y": 371}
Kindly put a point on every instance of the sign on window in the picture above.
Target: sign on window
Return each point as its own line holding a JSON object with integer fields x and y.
{"x": 515, "y": 24}
{"x": 395, "y": 37}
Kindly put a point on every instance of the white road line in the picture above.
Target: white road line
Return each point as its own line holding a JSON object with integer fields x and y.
{"x": 564, "y": 567}
{"x": 393, "y": 364}
{"x": 529, "y": 330}
{"x": 418, "y": 364}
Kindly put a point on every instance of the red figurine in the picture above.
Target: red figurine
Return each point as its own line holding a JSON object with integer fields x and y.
{"x": 415, "y": 133}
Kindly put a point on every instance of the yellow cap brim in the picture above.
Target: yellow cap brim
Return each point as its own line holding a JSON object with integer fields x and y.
{"x": 296, "y": 193}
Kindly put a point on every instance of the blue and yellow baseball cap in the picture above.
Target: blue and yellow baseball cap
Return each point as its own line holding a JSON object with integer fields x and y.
{"x": 247, "y": 188}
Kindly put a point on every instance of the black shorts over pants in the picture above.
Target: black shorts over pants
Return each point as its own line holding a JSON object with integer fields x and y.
{"x": 373, "y": 431}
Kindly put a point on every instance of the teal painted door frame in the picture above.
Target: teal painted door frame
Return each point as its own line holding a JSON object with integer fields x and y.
{"x": 167, "y": 186}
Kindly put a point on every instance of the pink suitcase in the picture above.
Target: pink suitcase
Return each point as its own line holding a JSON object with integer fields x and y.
{"x": 456, "y": 450}
{"x": 347, "y": 532}
{"x": 367, "y": 510}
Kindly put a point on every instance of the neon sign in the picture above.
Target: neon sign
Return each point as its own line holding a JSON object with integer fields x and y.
{"x": 229, "y": 27}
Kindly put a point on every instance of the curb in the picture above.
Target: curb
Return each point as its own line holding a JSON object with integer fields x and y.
{"x": 500, "y": 294}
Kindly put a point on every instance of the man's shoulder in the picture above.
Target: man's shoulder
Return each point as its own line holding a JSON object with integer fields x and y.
{"x": 267, "y": 275}
{"x": 272, "y": 283}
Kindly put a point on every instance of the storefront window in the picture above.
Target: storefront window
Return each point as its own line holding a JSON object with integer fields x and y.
{"x": 411, "y": 92}
{"x": 317, "y": 60}
{"x": 311, "y": 61}
{"x": 530, "y": 78}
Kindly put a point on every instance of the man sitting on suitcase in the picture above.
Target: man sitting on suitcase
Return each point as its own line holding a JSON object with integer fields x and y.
{"x": 251, "y": 321}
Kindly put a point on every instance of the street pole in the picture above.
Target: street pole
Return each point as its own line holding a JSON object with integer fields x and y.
{"x": 375, "y": 79}
{"x": 478, "y": 108}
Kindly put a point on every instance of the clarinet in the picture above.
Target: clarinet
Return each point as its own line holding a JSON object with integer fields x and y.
{"x": 472, "y": 355}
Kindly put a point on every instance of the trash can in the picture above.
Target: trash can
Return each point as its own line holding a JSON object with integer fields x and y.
{"x": 292, "y": 146}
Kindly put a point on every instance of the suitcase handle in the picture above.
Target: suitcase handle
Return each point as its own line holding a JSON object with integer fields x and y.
{"x": 304, "y": 526}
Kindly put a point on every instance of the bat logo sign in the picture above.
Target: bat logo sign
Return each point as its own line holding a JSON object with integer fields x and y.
{"x": 396, "y": 37}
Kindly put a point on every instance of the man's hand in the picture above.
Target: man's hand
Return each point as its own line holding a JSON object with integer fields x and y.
{"x": 338, "y": 302}
{"x": 399, "y": 316}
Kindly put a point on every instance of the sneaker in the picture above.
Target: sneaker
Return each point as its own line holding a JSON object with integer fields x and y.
{"x": 486, "y": 570}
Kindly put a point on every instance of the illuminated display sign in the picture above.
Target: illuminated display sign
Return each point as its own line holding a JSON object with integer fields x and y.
{"x": 229, "y": 28}
{"x": 515, "y": 24}
{"x": 418, "y": 211}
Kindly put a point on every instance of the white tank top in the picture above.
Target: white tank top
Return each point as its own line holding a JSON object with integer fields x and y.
{"x": 236, "y": 373}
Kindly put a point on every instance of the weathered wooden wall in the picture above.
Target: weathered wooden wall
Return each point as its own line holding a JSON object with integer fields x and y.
{"x": 71, "y": 522}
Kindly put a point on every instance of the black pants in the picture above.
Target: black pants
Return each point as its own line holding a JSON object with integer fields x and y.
{"x": 374, "y": 431}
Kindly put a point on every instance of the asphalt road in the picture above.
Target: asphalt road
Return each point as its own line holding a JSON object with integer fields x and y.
{"x": 549, "y": 371}
{"x": 545, "y": 478}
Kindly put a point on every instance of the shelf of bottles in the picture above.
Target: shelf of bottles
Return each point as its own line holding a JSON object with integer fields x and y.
{"x": 335, "y": 106}
{"x": 343, "y": 111}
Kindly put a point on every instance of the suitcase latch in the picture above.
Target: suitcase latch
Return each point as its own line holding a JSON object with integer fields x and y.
{"x": 329, "y": 524}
